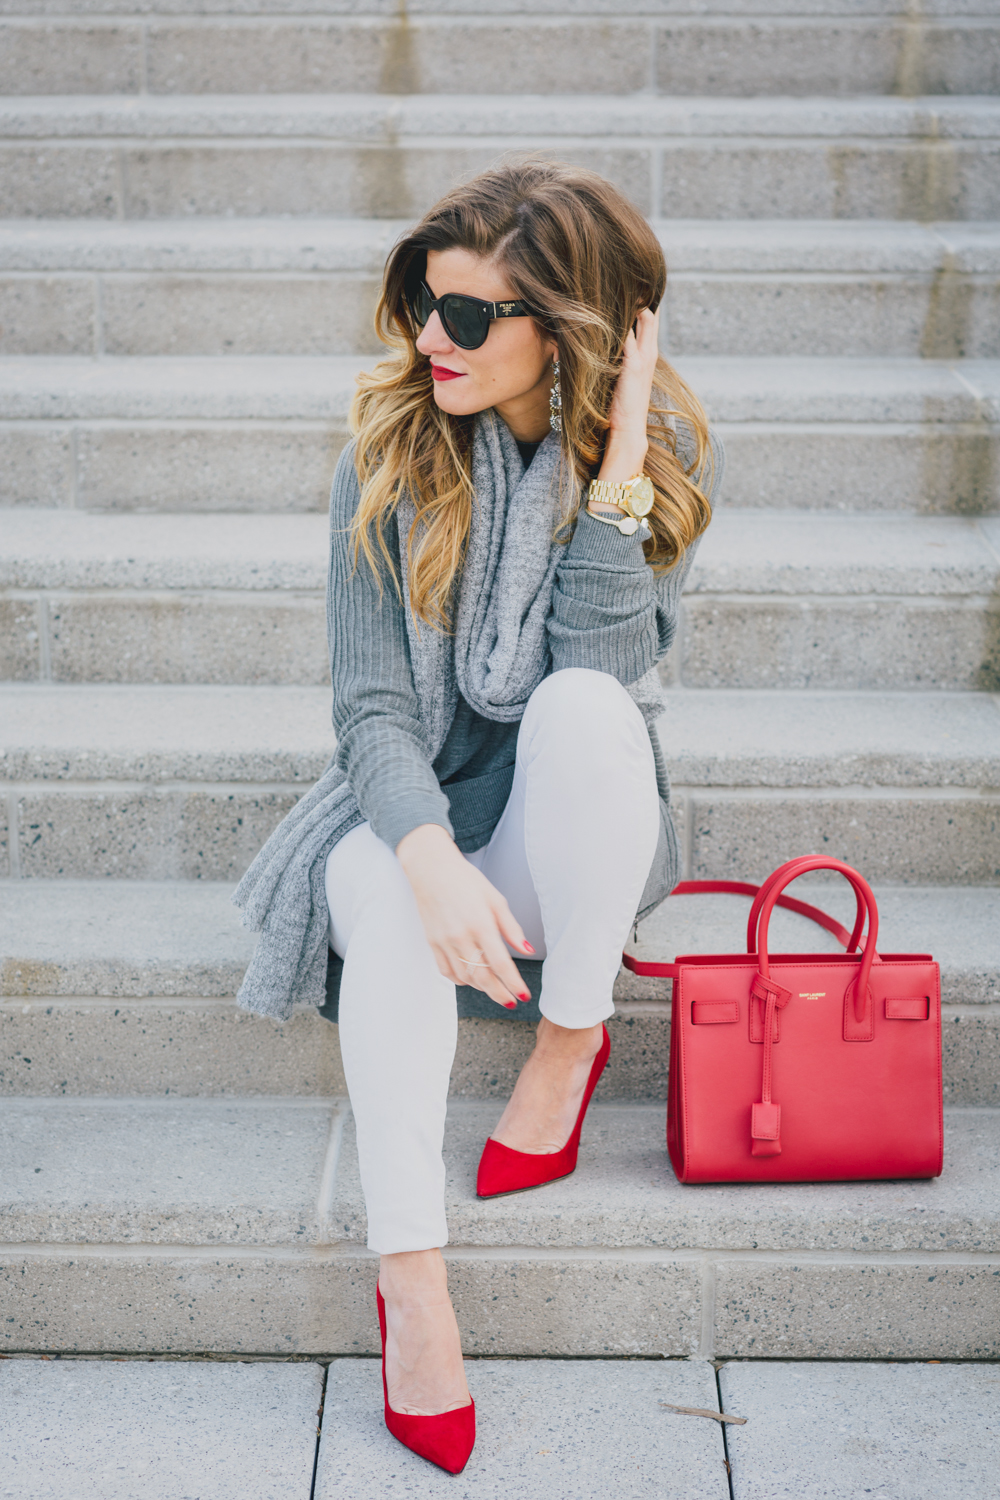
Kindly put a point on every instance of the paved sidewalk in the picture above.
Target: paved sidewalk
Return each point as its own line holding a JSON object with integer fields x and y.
{"x": 145, "y": 1429}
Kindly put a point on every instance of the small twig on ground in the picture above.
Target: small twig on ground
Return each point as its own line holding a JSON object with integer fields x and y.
{"x": 701, "y": 1411}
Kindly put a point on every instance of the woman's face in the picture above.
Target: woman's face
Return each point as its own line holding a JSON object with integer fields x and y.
{"x": 511, "y": 371}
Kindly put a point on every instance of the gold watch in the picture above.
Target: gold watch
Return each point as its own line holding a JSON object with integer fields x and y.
{"x": 634, "y": 496}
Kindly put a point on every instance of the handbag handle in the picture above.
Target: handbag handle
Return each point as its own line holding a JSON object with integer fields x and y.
{"x": 783, "y": 877}
{"x": 850, "y": 942}
{"x": 646, "y": 968}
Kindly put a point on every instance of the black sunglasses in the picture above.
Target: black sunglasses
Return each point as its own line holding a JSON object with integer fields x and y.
{"x": 466, "y": 320}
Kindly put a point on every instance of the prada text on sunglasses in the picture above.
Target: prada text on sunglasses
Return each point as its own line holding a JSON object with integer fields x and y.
{"x": 466, "y": 320}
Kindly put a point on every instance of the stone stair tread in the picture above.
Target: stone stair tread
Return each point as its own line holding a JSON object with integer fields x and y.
{"x": 383, "y": 118}
{"x": 315, "y": 387}
{"x": 233, "y": 1171}
{"x": 128, "y": 938}
{"x": 711, "y": 737}
{"x": 230, "y": 244}
{"x": 624, "y": 1193}
{"x": 296, "y": 244}
{"x": 65, "y": 549}
{"x": 778, "y": 552}
{"x": 252, "y": 1173}
{"x": 734, "y": 737}
{"x": 140, "y": 939}
{"x": 208, "y": 388}
{"x": 381, "y": 9}
{"x": 165, "y": 733}
{"x": 752, "y": 552}
{"x": 844, "y": 389}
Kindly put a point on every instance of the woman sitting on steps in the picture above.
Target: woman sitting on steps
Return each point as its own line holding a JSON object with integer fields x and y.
{"x": 510, "y": 532}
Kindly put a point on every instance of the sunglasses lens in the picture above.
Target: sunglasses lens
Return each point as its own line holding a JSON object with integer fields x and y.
{"x": 465, "y": 322}
{"x": 420, "y": 302}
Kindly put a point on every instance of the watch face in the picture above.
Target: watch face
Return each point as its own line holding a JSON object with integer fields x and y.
{"x": 641, "y": 496}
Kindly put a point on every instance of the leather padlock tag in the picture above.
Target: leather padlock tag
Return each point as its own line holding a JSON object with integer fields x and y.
{"x": 765, "y": 1129}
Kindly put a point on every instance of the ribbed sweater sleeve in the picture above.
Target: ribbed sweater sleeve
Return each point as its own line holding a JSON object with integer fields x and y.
{"x": 610, "y": 611}
{"x": 380, "y": 742}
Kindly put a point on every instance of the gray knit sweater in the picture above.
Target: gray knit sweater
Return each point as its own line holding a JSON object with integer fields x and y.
{"x": 427, "y": 723}
{"x": 610, "y": 612}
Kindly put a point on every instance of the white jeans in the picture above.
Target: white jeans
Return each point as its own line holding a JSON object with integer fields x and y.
{"x": 570, "y": 854}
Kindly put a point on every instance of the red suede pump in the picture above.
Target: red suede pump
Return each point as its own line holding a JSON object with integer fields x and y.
{"x": 446, "y": 1439}
{"x": 502, "y": 1170}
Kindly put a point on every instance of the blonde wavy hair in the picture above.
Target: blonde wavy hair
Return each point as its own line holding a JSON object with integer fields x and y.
{"x": 585, "y": 261}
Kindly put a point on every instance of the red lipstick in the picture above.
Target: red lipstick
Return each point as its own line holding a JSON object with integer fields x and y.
{"x": 441, "y": 372}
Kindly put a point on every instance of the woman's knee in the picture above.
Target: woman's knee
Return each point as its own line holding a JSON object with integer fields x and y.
{"x": 587, "y": 704}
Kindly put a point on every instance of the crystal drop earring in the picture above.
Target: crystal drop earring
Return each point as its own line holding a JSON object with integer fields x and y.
{"x": 555, "y": 400}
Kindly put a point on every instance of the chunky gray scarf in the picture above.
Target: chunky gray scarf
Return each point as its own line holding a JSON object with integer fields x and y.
{"x": 496, "y": 657}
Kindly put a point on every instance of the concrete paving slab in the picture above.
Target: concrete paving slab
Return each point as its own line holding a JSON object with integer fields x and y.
{"x": 158, "y": 1171}
{"x": 127, "y": 1430}
{"x": 565, "y": 1429}
{"x": 838, "y": 1431}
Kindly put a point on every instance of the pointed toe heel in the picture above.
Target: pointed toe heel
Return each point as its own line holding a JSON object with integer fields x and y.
{"x": 503, "y": 1170}
{"x": 446, "y": 1439}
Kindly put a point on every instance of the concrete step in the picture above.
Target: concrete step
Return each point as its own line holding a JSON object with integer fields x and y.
{"x": 368, "y": 155}
{"x": 726, "y": 9}
{"x": 263, "y": 434}
{"x": 294, "y": 286}
{"x": 163, "y": 598}
{"x": 126, "y": 987}
{"x": 774, "y": 599}
{"x": 124, "y": 1220}
{"x": 169, "y": 435}
{"x": 620, "y": 53}
{"x": 789, "y": 599}
{"x": 143, "y": 782}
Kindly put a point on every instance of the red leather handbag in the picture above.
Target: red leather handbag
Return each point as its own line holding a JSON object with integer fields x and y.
{"x": 805, "y": 1067}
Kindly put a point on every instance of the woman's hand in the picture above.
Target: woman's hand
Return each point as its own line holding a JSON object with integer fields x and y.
{"x": 466, "y": 919}
{"x": 627, "y": 443}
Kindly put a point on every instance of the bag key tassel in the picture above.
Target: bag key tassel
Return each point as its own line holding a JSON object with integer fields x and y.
{"x": 765, "y": 1116}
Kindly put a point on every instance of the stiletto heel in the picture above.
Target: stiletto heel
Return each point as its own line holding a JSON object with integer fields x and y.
{"x": 503, "y": 1170}
{"x": 446, "y": 1439}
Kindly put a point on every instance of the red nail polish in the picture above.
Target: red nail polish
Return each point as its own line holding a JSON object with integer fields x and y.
{"x": 511, "y": 1006}
{"x": 528, "y": 948}
{"x": 525, "y": 996}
